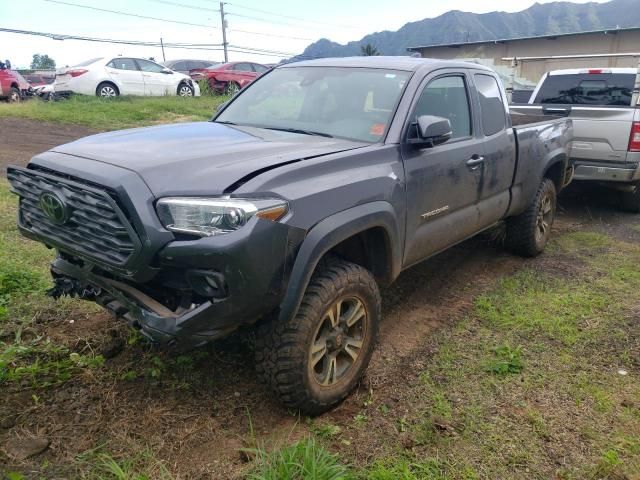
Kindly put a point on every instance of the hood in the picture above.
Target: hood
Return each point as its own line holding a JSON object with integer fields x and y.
{"x": 201, "y": 158}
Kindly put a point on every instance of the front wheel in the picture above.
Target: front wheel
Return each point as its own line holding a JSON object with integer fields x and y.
{"x": 185, "y": 90}
{"x": 231, "y": 88}
{"x": 313, "y": 361}
{"x": 528, "y": 233}
{"x": 14, "y": 95}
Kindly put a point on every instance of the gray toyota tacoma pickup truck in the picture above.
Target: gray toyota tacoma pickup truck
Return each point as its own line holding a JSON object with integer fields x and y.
{"x": 316, "y": 185}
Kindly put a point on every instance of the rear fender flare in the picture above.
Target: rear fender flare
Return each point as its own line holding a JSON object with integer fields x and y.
{"x": 330, "y": 232}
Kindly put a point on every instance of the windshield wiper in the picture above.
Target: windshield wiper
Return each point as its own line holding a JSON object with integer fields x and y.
{"x": 300, "y": 130}
{"x": 225, "y": 122}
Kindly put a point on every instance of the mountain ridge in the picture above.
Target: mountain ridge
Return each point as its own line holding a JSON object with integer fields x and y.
{"x": 457, "y": 26}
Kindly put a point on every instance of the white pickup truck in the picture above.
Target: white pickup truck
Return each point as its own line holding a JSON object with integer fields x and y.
{"x": 603, "y": 104}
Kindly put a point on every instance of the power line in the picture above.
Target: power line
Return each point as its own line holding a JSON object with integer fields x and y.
{"x": 267, "y": 12}
{"x": 117, "y": 12}
{"x": 275, "y": 35}
{"x": 261, "y": 19}
{"x": 142, "y": 43}
{"x": 184, "y": 5}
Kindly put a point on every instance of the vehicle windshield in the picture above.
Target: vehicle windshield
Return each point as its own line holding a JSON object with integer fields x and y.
{"x": 587, "y": 89}
{"x": 352, "y": 103}
{"x": 88, "y": 62}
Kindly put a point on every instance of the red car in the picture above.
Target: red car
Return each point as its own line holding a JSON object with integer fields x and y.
{"x": 10, "y": 84}
{"x": 229, "y": 78}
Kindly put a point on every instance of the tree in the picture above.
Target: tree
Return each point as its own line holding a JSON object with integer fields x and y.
{"x": 369, "y": 50}
{"x": 42, "y": 62}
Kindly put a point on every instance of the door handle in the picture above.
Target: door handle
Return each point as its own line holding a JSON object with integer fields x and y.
{"x": 475, "y": 161}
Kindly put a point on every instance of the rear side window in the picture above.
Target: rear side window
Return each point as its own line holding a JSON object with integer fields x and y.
{"x": 491, "y": 104}
{"x": 180, "y": 66}
{"x": 243, "y": 67}
{"x": 588, "y": 89}
{"x": 447, "y": 97}
{"x": 123, "y": 64}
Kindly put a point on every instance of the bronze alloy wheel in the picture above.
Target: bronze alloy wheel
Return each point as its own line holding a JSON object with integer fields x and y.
{"x": 544, "y": 217}
{"x": 338, "y": 341}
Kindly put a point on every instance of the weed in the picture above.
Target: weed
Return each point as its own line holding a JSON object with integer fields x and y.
{"x": 100, "y": 465}
{"x": 324, "y": 430}
{"x": 304, "y": 460}
{"x": 506, "y": 360}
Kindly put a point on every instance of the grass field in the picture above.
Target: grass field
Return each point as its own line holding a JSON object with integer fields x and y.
{"x": 112, "y": 114}
{"x": 539, "y": 379}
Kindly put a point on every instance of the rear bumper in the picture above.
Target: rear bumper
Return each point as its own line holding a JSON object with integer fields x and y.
{"x": 606, "y": 172}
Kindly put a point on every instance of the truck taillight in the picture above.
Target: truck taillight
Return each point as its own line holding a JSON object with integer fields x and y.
{"x": 634, "y": 140}
{"x": 77, "y": 73}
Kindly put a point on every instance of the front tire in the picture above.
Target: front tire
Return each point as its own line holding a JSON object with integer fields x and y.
{"x": 107, "y": 90}
{"x": 314, "y": 360}
{"x": 528, "y": 233}
{"x": 231, "y": 88}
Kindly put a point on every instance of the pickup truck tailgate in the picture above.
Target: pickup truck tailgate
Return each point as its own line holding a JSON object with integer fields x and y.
{"x": 600, "y": 132}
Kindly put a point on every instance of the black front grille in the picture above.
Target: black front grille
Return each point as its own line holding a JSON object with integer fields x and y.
{"x": 95, "y": 226}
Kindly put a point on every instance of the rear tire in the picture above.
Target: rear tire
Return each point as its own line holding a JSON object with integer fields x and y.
{"x": 528, "y": 233}
{"x": 107, "y": 90}
{"x": 630, "y": 201}
{"x": 314, "y": 360}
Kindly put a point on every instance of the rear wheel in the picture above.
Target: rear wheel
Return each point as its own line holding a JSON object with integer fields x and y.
{"x": 14, "y": 95}
{"x": 528, "y": 233}
{"x": 630, "y": 200}
{"x": 231, "y": 88}
{"x": 107, "y": 90}
{"x": 313, "y": 361}
{"x": 185, "y": 90}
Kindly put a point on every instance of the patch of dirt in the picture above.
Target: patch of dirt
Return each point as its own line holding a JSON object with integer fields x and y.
{"x": 21, "y": 139}
{"x": 198, "y": 427}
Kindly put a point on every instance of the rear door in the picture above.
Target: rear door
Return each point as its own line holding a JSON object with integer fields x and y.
{"x": 443, "y": 182}
{"x": 599, "y": 103}
{"x": 499, "y": 147}
{"x": 127, "y": 76}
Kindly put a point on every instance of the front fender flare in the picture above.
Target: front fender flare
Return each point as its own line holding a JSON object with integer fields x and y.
{"x": 330, "y": 232}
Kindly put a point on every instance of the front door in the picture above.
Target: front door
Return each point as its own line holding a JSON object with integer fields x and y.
{"x": 155, "y": 81}
{"x": 443, "y": 182}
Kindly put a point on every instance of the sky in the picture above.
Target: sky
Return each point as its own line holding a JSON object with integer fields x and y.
{"x": 273, "y": 28}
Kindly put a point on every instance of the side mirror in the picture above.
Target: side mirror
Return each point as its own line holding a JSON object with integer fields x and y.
{"x": 7, "y": 64}
{"x": 166, "y": 70}
{"x": 432, "y": 130}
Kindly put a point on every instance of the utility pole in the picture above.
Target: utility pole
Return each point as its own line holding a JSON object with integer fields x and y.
{"x": 224, "y": 31}
{"x": 162, "y": 45}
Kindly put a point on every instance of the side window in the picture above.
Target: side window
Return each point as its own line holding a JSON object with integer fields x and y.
{"x": 147, "y": 66}
{"x": 491, "y": 104}
{"x": 123, "y": 64}
{"x": 243, "y": 67}
{"x": 180, "y": 66}
{"x": 260, "y": 68}
{"x": 447, "y": 97}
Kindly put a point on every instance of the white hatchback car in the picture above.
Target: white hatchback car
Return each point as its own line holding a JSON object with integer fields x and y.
{"x": 110, "y": 77}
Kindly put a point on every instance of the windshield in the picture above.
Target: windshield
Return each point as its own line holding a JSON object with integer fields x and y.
{"x": 353, "y": 103}
{"x": 587, "y": 89}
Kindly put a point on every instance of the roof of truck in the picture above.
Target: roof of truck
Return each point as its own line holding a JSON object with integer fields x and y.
{"x": 392, "y": 63}
{"x": 581, "y": 71}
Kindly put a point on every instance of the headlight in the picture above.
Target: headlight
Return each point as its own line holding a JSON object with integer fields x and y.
{"x": 214, "y": 216}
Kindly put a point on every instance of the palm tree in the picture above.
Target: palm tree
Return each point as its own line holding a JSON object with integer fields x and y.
{"x": 369, "y": 50}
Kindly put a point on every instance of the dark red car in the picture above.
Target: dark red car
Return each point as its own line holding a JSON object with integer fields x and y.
{"x": 229, "y": 78}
